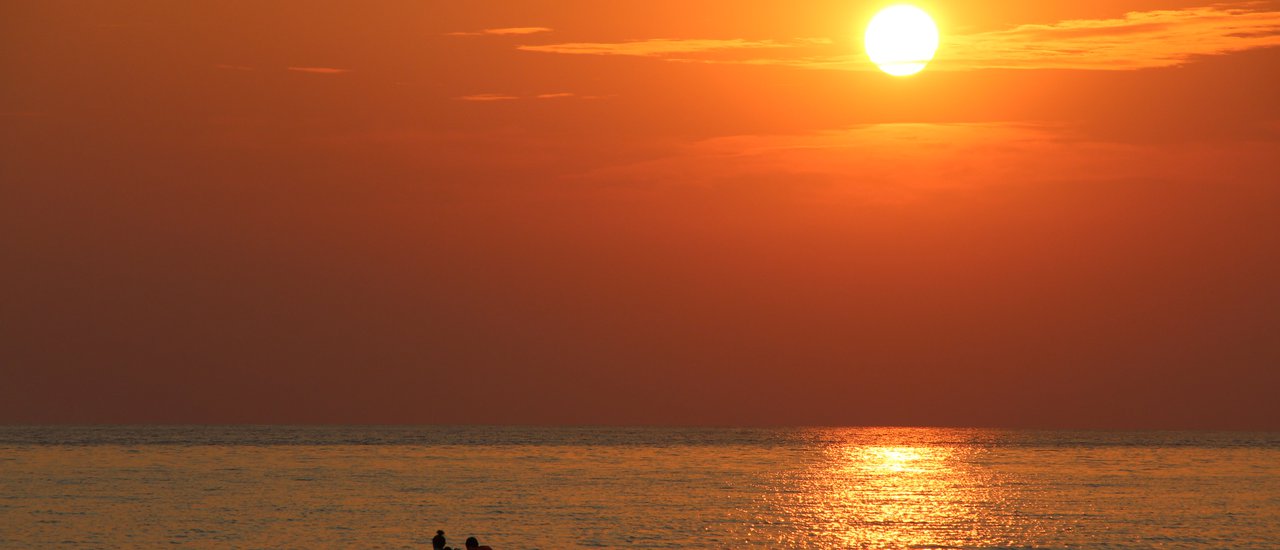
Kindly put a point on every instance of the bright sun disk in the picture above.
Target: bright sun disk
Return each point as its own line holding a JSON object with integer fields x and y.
{"x": 901, "y": 40}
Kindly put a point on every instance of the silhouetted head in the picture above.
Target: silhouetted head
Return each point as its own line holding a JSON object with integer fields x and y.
{"x": 439, "y": 532}
{"x": 472, "y": 542}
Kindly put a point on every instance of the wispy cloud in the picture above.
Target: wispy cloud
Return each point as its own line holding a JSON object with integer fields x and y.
{"x": 509, "y": 97}
{"x": 667, "y": 47}
{"x": 1138, "y": 40}
{"x": 508, "y": 31}
{"x": 899, "y": 161}
{"x": 488, "y": 97}
{"x": 319, "y": 70}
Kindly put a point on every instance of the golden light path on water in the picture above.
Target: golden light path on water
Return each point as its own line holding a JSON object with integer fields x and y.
{"x": 877, "y": 490}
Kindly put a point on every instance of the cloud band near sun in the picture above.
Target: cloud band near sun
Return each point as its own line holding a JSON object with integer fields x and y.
{"x": 666, "y": 47}
{"x": 1137, "y": 40}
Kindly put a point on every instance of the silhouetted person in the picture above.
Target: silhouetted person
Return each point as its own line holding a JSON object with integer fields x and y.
{"x": 473, "y": 544}
{"x": 437, "y": 542}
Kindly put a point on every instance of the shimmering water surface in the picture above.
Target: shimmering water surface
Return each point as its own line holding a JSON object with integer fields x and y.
{"x": 518, "y": 488}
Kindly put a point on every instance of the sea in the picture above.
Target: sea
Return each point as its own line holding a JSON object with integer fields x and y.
{"x": 611, "y": 487}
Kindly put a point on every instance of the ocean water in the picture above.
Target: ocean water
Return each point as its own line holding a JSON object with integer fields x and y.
{"x": 520, "y": 487}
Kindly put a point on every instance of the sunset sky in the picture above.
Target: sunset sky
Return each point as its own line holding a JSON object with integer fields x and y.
{"x": 639, "y": 212}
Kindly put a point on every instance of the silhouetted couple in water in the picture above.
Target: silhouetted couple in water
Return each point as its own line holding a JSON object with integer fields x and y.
{"x": 438, "y": 543}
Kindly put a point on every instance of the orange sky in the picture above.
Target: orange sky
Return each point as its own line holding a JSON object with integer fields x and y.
{"x": 669, "y": 212}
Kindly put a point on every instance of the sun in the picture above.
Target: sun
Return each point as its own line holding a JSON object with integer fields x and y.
{"x": 901, "y": 40}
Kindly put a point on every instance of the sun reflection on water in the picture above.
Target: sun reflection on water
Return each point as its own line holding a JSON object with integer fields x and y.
{"x": 880, "y": 489}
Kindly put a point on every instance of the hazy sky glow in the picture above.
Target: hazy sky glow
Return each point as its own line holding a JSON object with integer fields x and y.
{"x": 672, "y": 212}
